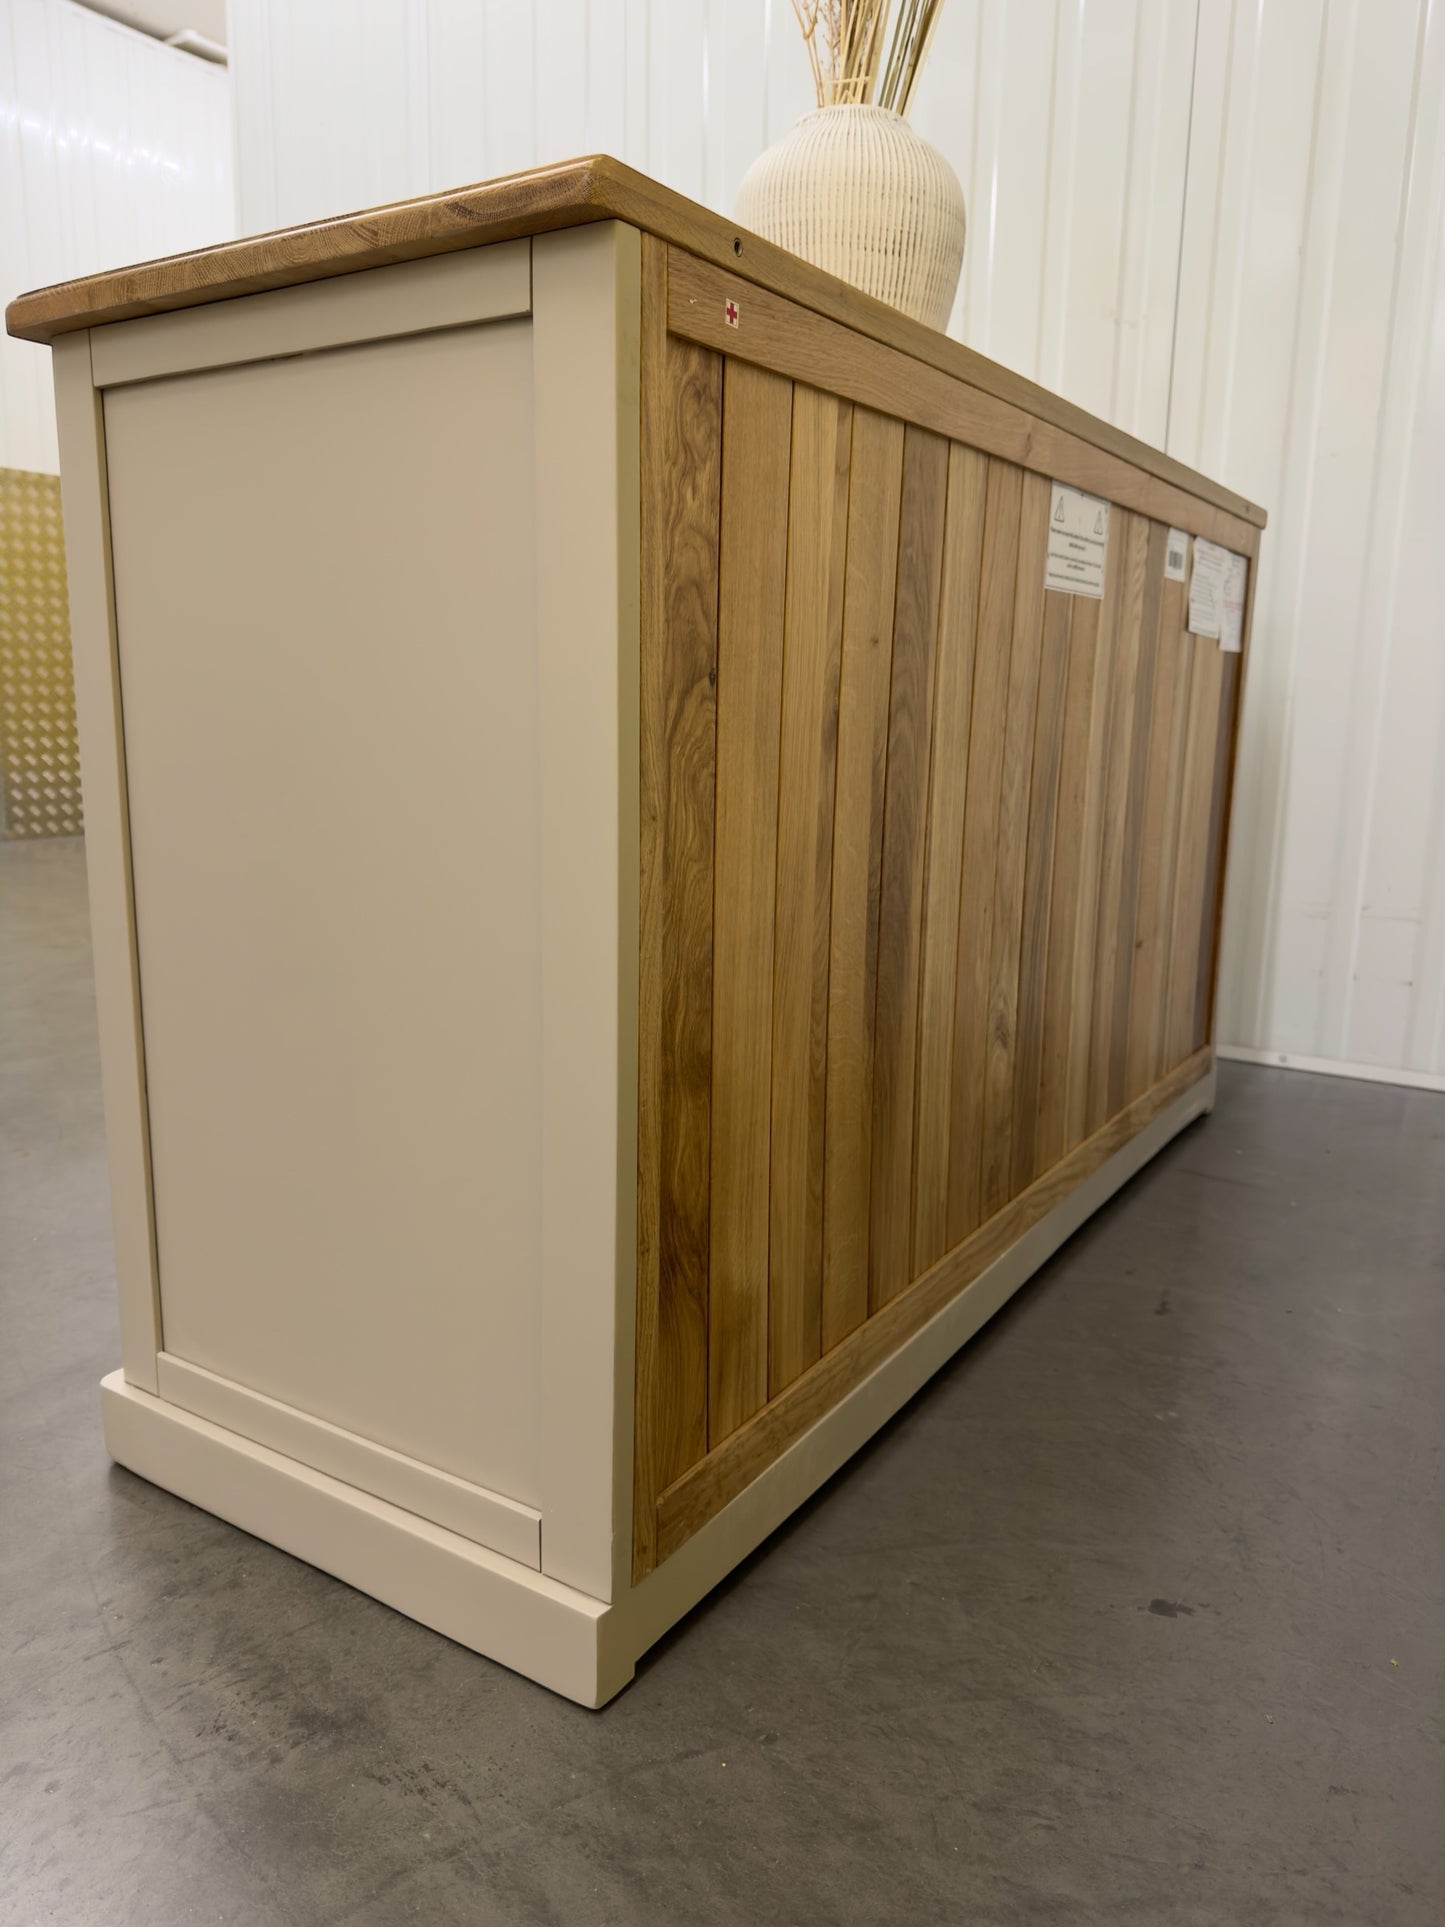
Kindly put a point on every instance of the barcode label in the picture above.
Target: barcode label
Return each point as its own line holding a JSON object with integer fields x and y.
{"x": 1176, "y": 556}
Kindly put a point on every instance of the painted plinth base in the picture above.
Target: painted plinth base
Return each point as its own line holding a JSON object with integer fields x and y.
{"x": 579, "y": 1646}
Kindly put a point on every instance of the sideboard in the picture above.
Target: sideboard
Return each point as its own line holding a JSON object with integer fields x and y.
{"x": 656, "y": 836}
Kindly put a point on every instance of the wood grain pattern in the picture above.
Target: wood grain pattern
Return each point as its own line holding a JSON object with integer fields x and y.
{"x": 1051, "y": 1124}
{"x": 1197, "y": 780}
{"x": 688, "y": 722}
{"x": 866, "y": 671}
{"x": 964, "y": 845}
{"x": 1001, "y": 1035}
{"x": 1135, "y": 815}
{"x": 910, "y": 730}
{"x": 1002, "y": 509}
{"x": 593, "y": 188}
{"x": 777, "y": 334}
{"x": 722, "y": 1475}
{"x": 1156, "y": 861}
{"x": 817, "y": 539}
{"x": 1232, "y": 705}
{"x": 757, "y": 444}
{"x": 1120, "y": 766}
{"x": 1078, "y": 1106}
{"x": 1211, "y": 908}
{"x": 652, "y": 802}
{"x": 947, "y": 789}
{"x": 1026, "y": 1100}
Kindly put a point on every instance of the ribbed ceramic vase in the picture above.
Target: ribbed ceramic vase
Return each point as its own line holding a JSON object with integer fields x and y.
{"x": 854, "y": 190}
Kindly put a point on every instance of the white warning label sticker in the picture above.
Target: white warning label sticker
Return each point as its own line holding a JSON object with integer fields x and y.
{"x": 1078, "y": 542}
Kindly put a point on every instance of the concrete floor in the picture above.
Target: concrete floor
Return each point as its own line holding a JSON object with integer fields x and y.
{"x": 1133, "y": 1616}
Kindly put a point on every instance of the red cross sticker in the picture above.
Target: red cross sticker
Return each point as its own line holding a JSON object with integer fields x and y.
{"x": 730, "y": 310}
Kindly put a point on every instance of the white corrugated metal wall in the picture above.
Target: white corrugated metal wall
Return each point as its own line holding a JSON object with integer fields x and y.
{"x": 113, "y": 148}
{"x": 1310, "y": 374}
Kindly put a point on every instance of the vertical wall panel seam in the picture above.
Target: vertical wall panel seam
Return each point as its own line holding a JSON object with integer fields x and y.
{"x": 1216, "y": 218}
{"x": 1259, "y": 895}
{"x": 1121, "y": 273}
{"x": 1381, "y": 663}
{"x": 1225, "y": 403}
{"x": 1313, "y": 409}
{"x": 1050, "y": 377}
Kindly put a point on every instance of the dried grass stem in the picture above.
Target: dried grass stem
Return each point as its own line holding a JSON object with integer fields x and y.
{"x": 845, "y": 40}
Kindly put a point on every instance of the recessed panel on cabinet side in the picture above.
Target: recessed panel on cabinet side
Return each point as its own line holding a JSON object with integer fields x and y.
{"x": 323, "y": 571}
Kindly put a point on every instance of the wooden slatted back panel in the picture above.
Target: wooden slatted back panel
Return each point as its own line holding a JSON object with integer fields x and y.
{"x": 931, "y": 859}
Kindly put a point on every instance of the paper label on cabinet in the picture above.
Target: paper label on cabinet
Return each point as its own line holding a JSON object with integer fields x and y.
{"x": 1078, "y": 542}
{"x": 1206, "y": 588}
{"x": 1236, "y": 575}
{"x": 1176, "y": 556}
{"x": 1216, "y": 594}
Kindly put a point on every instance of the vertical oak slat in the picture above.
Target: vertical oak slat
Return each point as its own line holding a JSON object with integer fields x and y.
{"x": 652, "y": 786}
{"x": 817, "y": 543}
{"x": 1212, "y": 907}
{"x": 1116, "y": 809}
{"x": 757, "y": 447}
{"x": 1001, "y": 1039}
{"x": 1091, "y": 842}
{"x": 947, "y": 784}
{"x": 1003, "y": 502}
{"x": 1038, "y": 893}
{"x": 1146, "y": 994}
{"x": 910, "y": 717}
{"x": 688, "y": 719}
{"x": 1135, "y": 814}
{"x": 1176, "y": 829}
{"x": 1206, "y": 684}
{"x": 1232, "y": 705}
{"x": 679, "y": 459}
{"x": 1178, "y": 739}
{"x": 1051, "y": 1129}
{"x": 875, "y": 493}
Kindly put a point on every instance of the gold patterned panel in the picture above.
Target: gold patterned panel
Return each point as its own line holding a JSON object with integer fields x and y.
{"x": 39, "y": 754}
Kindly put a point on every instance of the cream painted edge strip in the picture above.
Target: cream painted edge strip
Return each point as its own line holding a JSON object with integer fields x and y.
{"x": 414, "y": 297}
{"x": 486, "y": 1518}
{"x": 490, "y": 1604}
{"x": 691, "y": 1572}
{"x": 585, "y": 344}
{"x": 86, "y": 503}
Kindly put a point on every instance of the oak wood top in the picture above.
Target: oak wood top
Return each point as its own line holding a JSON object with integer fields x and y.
{"x": 595, "y": 188}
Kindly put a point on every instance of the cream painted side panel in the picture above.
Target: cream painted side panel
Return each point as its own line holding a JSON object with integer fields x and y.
{"x": 327, "y": 637}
